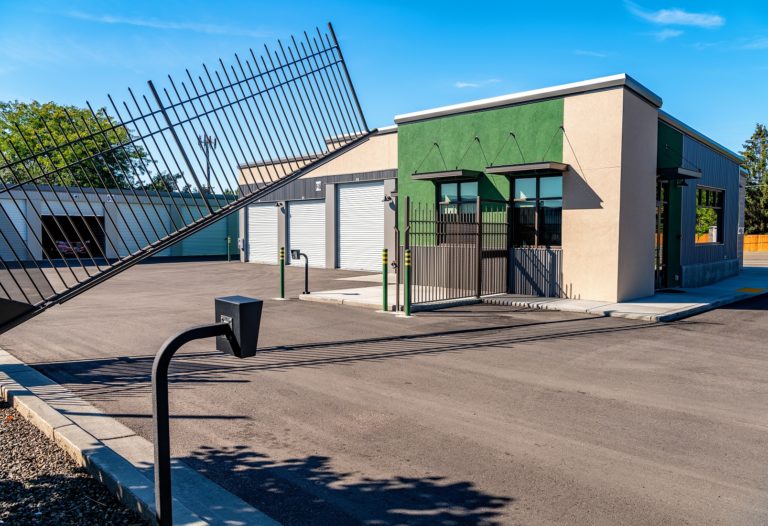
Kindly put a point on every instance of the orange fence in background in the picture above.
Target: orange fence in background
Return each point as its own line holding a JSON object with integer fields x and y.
{"x": 756, "y": 243}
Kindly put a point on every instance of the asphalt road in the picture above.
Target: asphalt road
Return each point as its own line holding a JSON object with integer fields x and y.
{"x": 473, "y": 415}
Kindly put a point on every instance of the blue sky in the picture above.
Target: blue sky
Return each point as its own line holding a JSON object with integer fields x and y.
{"x": 708, "y": 60}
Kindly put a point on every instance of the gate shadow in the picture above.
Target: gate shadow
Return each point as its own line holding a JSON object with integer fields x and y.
{"x": 106, "y": 379}
{"x": 307, "y": 490}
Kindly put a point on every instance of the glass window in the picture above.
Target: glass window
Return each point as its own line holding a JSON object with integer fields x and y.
{"x": 468, "y": 191}
{"x": 463, "y": 194}
{"x": 551, "y": 187}
{"x": 538, "y": 211}
{"x": 524, "y": 220}
{"x": 709, "y": 215}
{"x": 449, "y": 193}
{"x": 525, "y": 189}
{"x": 550, "y": 222}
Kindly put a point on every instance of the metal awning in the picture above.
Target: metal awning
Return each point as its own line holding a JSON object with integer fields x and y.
{"x": 523, "y": 169}
{"x": 677, "y": 174}
{"x": 448, "y": 174}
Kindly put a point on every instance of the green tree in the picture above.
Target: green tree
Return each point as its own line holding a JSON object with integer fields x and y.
{"x": 756, "y": 163}
{"x": 705, "y": 219}
{"x": 166, "y": 182}
{"x": 85, "y": 147}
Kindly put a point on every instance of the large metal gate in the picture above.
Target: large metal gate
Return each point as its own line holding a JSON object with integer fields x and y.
{"x": 457, "y": 250}
{"x": 214, "y": 141}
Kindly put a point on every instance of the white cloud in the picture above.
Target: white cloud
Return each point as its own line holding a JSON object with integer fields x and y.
{"x": 666, "y": 34}
{"x": 209, "y": 29}
{"x": 474, "y": 84}
{"x": 758, "y": 43}
{"x": 588, "y": 53}
{"x": 676, "y": 17}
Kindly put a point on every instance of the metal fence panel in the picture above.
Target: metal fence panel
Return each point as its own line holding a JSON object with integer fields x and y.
{"x": 458, "y": 251}
{"x": 213, "y": 142}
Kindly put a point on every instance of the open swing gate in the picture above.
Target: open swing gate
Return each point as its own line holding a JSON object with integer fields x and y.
{"x": 210, "y": 143}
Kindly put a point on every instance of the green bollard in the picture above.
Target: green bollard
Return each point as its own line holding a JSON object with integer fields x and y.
{"x": 282, "y": 272}
{"x": 229, "y": 252}
{"x": 384, "y": 280}
{"x": 407, "y": 283}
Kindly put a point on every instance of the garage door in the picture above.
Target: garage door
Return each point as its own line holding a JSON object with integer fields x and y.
{"x": 306, "y": 230}
{"x": 15, "y": 229}
{"x": 361, "y": 225}
{"x": 262, "y": 234}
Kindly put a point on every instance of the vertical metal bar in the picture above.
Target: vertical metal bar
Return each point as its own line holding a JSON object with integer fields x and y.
{"x": 407, "y": 287}
{"x": 346, "y": 75}
{"x": 172, "y": 106}
{"x": 385, "y": 281}
{"x": 178, "y": 144}
{"x": 318, "y": 75}
{"x": 479, "y": 220}
{"x": 142, "y": 186}
{"x": 133, "y": 190}
{"x": 282, "y": 272}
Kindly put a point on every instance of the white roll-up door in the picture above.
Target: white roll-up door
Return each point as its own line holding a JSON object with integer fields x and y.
{"x": 262, "y": 234}
{"x": 360, "y": 213}
{"x": 306, "y": 230}
{"x": 17, "y": 236}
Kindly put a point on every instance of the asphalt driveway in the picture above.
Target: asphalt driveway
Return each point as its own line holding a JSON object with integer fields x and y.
{"x": 473, "y": 415}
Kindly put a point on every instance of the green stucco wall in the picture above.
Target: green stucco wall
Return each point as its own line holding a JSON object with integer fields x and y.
{"x": 536, "y": 127}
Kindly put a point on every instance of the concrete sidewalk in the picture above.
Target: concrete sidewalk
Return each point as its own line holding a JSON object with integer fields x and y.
{"x": 664, "y": 306}
{"x": 115, "y": 455}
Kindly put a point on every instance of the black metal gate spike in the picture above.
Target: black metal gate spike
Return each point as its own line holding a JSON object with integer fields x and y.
{"x": 274, "y": 116}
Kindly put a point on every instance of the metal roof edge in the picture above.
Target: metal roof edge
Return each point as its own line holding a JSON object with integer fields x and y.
{"x": 383, "y": 130}
{"x": 612, "y": 81}
{"x": 682, "y": 127}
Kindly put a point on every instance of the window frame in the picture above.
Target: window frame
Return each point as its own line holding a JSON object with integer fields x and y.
{"x": 459, "y": 201}
{"x": 719, "y": 210}
{"x": 537, "y": 210}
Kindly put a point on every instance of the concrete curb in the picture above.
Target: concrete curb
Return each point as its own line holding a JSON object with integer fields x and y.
{"x": 555, "y": 304}
{"x": 113, "y": 454}
{"x": 319, "y": 298}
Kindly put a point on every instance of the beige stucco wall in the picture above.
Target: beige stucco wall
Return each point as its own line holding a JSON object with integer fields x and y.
{"x": 638, "y": 198}
{"x": 608, "y": 195}
{"x": 379, "y": 152}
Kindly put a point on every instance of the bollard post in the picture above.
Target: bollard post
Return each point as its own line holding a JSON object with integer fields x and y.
{"x": 384, "y": 280}
{"x": 229, "y": 253}
{"x": 282, "y": 273}
{"x": 407, "y": 284}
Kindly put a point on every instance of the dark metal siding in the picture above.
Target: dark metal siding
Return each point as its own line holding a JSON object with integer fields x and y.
{"x": 314, "y": 187}
{"x": 536, "y": 272}
{"x": 717, "y": 171}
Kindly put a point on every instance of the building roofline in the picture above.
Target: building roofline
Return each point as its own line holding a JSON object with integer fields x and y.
{"x": 562, "y": 90}
{"x": 684, "y": 128}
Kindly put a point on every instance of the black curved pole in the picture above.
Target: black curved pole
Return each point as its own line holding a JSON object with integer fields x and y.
{"x": 160, "y": 417}
{"x": 306, "y": 273}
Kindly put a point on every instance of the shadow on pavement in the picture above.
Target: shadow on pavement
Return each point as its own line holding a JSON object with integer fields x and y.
{"x": 758, "y": 303}
{"x": 105, "y": 379}
{"x": 307, "y": 490}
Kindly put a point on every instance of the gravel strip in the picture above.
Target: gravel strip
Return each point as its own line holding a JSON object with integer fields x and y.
{"x": 41, "y": 485}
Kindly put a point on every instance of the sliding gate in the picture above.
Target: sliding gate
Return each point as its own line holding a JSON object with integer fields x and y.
{"x": 457, "y": 250}
{"x": 210, "y": 143}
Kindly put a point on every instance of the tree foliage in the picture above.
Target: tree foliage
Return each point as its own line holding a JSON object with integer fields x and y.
{"x": 756, "y": 163}
{"x": 87, "y": 149}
